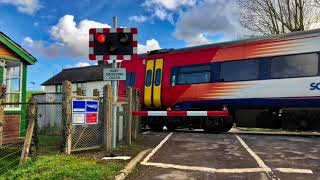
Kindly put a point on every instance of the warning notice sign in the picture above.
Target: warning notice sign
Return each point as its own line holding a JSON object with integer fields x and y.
{"x": 85, "y": 112}
{"x": 110, "y": 74}
{"x": 91, "y": 118}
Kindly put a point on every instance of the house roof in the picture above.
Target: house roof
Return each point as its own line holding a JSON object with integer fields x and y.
{"x": 78, "y": 75}
{"x": 17, "y": 49}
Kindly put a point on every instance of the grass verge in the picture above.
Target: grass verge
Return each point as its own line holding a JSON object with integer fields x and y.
{"x": 65, "y": 167}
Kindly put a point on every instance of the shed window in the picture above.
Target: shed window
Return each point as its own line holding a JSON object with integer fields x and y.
{"x": 243, "y": 70}
{"x": 12, "y": 80}
{"x": 58, "y": 88}
{"x": 302, "y": 65}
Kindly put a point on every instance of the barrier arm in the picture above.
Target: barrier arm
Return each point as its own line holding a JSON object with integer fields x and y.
{"x": 170, "y": 113}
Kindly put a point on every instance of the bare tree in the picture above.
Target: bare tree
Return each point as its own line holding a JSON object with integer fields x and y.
{"x": 279, "y": 16}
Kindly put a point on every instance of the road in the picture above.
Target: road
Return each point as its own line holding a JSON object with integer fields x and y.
{"x": 197, "y": 155}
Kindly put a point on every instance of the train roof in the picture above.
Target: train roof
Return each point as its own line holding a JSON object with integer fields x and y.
{"x": 260, "y": 38}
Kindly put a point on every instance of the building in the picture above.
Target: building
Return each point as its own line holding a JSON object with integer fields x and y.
{"x": 13, "y": 74}
{"x": 87, "y": 78}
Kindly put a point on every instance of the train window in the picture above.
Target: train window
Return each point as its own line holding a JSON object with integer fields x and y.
{"x": 130, "y": 79}
{"x": 148, "y": 78}
{"x": 301, "y": 65}
{"x": 158, "y": 77}
{"x": 194, "y": 74}
{"x": 239, "y": 70}
{"x": 198, "y": 68}
{"x": 194, "y": 78}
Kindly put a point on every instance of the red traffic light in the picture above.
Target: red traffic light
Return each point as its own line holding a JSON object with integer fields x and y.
{"x": 101, "y": 38}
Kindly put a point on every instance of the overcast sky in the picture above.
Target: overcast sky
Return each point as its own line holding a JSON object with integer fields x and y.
{"x": 56, "y": 31}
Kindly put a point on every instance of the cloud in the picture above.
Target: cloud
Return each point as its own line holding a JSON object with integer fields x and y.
{"x": 43, "y": 48}
{"x": 165, "y": 9}
{"x": 71, "y": 40}
{"x": 74, "y": 36}
{"x": 139, "y": 19}
{"x": 24, "y": 6}
{"x": 206, "y": 19}
{"x": 79, "y": 64}
{"x": 169, "y": 4}
{"x": 150, "y": 45}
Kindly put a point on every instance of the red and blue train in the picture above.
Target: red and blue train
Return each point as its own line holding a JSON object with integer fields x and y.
{"x": 270, "y": 82}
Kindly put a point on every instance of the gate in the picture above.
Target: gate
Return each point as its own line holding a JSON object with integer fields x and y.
{"x": 88, "y": 136}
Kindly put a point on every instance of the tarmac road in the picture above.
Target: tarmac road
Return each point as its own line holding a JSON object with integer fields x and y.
{"x": 197, "y": 155}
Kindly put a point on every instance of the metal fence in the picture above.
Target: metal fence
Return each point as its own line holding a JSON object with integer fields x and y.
{"x": 11, "y": 140}
{"x": 49, "y": 113}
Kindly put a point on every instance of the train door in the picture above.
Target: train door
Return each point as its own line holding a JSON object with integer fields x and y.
{"x": 153, "y": 79}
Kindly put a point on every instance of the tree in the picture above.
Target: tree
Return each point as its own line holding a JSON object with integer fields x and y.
{"x": 279, "y": 16}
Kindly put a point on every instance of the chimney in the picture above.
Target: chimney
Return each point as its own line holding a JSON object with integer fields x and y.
{"x": 101, "y": 62}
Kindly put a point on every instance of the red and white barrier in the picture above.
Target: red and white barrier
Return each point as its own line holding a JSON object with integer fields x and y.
{"x": 224, "y": 112}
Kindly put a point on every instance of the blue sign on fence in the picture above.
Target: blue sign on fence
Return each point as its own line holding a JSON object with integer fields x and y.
{"x": 78, "y": 106}
{"x": 92, "y": 106}
{"x": 85, "y": 112}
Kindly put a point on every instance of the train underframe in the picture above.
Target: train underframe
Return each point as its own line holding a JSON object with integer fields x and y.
{"x": 301, "y": 118}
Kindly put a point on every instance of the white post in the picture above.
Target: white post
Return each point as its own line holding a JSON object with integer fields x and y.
{"x": 114, "y": 84}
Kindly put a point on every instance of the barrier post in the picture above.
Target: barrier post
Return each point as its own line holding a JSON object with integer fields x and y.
{"x": 107, "y": 112}
{"x": 129, "y": 123}
{"x": 133, "y": 129}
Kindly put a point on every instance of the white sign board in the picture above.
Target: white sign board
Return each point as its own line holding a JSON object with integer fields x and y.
{"x": 110, "y": 74}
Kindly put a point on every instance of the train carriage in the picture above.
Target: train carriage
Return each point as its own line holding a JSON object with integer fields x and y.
{"x": 270, "y": 82}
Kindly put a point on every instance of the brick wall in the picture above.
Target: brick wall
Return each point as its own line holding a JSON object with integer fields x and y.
{"x": 11, "y": 128}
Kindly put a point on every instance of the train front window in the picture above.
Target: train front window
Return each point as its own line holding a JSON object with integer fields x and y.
{"x": 148, "y": 78}
{"x": 302, "y": 65}
{"x": 243, "y": 70}
{"x": 197, "y": 74}
{"x": 158, "y": 77}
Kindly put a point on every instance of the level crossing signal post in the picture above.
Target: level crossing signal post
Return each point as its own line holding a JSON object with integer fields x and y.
{"x": 114, "y": 45}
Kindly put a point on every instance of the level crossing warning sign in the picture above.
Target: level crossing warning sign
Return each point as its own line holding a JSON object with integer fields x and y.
{"x": 85, "y": 112}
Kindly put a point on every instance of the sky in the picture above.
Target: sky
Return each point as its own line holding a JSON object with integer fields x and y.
{"x": 55, "y": 32}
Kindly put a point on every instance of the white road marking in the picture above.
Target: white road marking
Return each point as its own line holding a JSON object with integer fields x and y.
{"x": 157, "y": 148}
{"x": 181, "y": 167}
{"x": 253, "y": 154}
{"x": 262, "y": 166}
{"x": 243, "y": 170}
{"x": 206, "y": 169}
{"x": 117, "y": 158}
{"x": 291, "y": 170}
{"x": 144, "y": 133}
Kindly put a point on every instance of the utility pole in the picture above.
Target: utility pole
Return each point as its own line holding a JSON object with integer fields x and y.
{"x": 114, "y": 85}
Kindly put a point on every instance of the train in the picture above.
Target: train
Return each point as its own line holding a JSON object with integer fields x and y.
{"x": 267, "y": 82}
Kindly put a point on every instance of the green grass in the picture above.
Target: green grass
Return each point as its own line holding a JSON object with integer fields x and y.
{"x": 65, "y": 167}
{"x": 29, "y": 93}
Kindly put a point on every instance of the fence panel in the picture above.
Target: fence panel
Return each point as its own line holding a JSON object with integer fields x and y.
{"x": 11, "y": 138}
